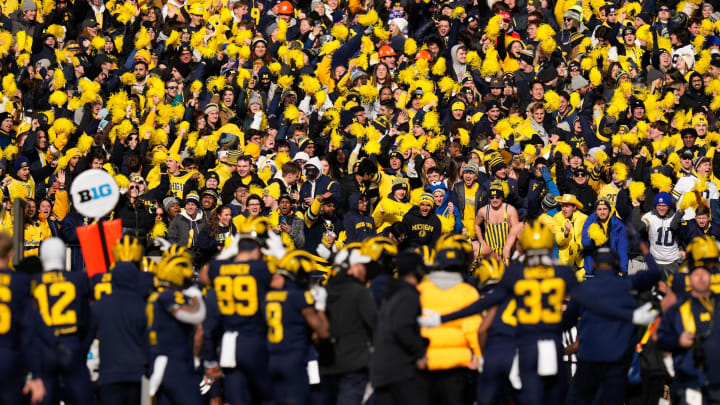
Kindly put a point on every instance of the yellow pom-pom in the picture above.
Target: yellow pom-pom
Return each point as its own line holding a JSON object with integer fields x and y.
{"x": 410, "y": 47}
{"x": 688, "y": 200}
{"x": 98, "y": 43}
{"x": 597, "y": 235}
{"x": 575, "y": 99}
{"x": 9, "y": 87}
{"x": 292, "y": 113}
{"x": 601, "y": 157}
{"x": 661, "y": 182}
{"x": 544, "y": 31}
{"x": 122, "y": 181}
{"x": 636, "y": 189}
{"x": 58, "y": 79}
{"x": 563, "y": 148}
{"x": 493, "y": 28}
{"x": 439, "y": 68}
{"x": 340, "y": 32}
{"x": 128, "y": 79}
{"x": 586, "y": 64}
{"x": 548, "y": 46}
{"x": 159, "y": 230}
{"x": 143, "y": 38}
{"x": 491, "y": 64}
{"x": 595, "y": 77}
{"x": 369, "y": 19}
{"x": 310, "y": 84}
{"x": 357, "y": 130}
{"x": 464, "y": 136}
{"x": 285, "y": 81}
{"x": 621, "y": 171}
{"x": 552, "y": 100}
{"x": 431, "y": 121}
{"x": 173, "y": 39}
{"x": 58, "y": 98}
{"x": 282, "y": 27}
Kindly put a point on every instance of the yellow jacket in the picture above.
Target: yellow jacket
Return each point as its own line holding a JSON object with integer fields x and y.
{"x": 570, "y": 247}
{"x": 21, "y": 189}
{"x": 452, "y": 344}
{"x": 388, "y": 211}
{"x": 35, "y": 232}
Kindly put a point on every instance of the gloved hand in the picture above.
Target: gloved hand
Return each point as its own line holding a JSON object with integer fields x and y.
{"x": 162, "y": 243}
{"x": 430, "y": 319}
{"x": 275, "y": 246}
{"x": 206, "y": 384}
{"x": 320, "y": 295}
{"x": 192, "y": 291}
{"x": 644, "y": 315}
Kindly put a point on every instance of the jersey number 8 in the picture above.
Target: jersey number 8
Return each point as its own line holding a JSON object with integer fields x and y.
{"x": 273, "y": 315}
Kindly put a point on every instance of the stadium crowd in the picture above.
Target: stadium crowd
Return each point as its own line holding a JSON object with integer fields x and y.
{"x": 351, "y": 202}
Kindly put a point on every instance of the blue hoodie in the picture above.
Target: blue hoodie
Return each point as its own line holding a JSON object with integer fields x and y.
{"x": 443, "y": 211}
{"x": 358, "y": 226}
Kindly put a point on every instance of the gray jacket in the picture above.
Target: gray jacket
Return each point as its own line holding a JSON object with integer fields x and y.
{"x": 183, "y": 228}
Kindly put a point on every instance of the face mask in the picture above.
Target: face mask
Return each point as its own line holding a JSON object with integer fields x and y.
{"x": 312, "y": 173}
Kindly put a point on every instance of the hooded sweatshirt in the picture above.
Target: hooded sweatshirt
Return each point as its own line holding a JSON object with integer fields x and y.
{"x": 422, "y": 230}
{"x": 358, "y": 226}
{"x": 184, "y": 231}
{"x": 451, "y": 220}
{"x": 458, "y": 68}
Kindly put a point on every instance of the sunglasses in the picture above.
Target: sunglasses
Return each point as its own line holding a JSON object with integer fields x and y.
{"x": 664, "y": 9}
{"x": 133, "y": 187}
{"x": 495, "y": 197}
{"x": 580, "y": 174}
{"x": 172, "y": 87}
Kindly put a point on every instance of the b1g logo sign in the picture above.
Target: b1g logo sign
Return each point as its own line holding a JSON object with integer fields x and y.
{"x": 95, "y": 193}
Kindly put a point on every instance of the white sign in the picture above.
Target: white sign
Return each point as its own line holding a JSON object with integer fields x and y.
{"x": 94, "y": 193}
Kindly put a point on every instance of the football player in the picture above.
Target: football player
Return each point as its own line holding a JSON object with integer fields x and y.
{"x": 234, "y": 343}
{"x": 62, "y": 299}
{"x": 173, "y": 314}
{"x": 293, "y": 314}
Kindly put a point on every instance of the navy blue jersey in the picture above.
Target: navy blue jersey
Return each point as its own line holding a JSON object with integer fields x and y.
{"x": 287, "y": 329}
{"x": 240, "y": 289}
{"x": 63, "y": 300}
{"x": 101, "y": 283}
{"x": 167, "y": 335}
{"x": 14, "y": 294}
{"x": 504, "y": 324}
{"x": 539, "y": 293}
{"x": 119, "y": 320}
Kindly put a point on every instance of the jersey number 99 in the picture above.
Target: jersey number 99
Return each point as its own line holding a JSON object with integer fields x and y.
{"x": 236, "y": 295}
{"x": 531, "y": 311}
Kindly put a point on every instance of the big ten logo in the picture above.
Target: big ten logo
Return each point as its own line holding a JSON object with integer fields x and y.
{"x": 95, "y": 193}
